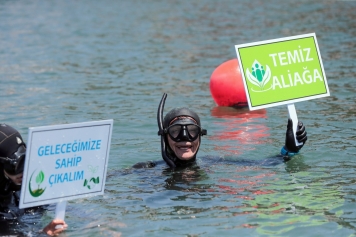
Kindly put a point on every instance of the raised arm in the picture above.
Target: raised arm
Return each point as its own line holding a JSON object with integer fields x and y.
{"x": 290, "y": 148}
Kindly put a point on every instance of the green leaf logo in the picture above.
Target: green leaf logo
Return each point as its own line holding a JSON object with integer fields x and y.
{"x": 93, "y": 169}
{"x": 39, "y": 179}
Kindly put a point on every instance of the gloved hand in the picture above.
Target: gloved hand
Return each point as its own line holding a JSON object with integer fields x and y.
{"x": 301, "y": 137}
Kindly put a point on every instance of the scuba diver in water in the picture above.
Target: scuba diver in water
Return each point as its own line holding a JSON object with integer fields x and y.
{"x": 12, "y": 160}
{"x": 181, "y": 132}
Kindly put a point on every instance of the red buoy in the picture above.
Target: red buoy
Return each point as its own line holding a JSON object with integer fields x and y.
{"x": 226, "y": 85}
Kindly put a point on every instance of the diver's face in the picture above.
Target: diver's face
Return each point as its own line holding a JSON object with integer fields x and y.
{"x": 16, "y": 179}
{"x": 184, "y": 150}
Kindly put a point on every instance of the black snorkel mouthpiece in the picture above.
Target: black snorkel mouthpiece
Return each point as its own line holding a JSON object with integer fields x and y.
{"x": 161, "y": 131}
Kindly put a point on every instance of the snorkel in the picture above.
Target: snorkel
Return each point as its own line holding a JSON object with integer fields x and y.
{"x": 161, "y": 131}
{"x": 178, "y": 119}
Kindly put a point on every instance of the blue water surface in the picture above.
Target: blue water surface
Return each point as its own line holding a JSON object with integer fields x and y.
{"x": 74, "y": 61}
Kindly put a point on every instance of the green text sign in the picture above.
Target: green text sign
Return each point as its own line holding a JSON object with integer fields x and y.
{"x": 282, "y": 71}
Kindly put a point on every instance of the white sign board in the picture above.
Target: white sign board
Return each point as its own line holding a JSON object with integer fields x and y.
{"x": 65, "y": 162}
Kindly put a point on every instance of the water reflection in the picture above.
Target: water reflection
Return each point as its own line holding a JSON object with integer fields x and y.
{"x": 240, "y": 125}
{"x": 189, "y": 183}
{"x": 183, "y": 179}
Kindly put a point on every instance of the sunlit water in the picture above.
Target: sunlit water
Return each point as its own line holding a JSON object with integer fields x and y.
{"x": 75, "y": 61}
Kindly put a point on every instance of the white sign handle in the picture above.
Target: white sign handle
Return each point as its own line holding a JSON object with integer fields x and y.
{"x": 293, "y": 116}
{"x": 60, "y": 211}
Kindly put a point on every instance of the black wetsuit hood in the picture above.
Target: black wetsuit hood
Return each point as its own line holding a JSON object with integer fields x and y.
{"x": 167, "y": 154}
{"x": 10, "y": 141}
{"x": 12, "y": 150}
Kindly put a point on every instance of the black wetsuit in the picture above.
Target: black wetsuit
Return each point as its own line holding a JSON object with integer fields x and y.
{"x": 11, "y": 221}
{"x": 9, "y": 200}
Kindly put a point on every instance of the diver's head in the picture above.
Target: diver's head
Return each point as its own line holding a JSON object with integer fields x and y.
{"x": 12, "y": 151}
{"x": 181, "y": 130}
{"x": 182, "y": 133}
